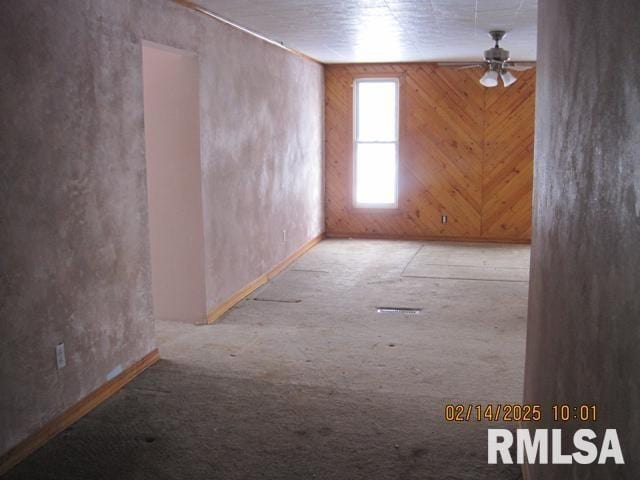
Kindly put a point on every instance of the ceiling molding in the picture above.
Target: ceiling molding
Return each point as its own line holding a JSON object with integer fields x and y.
{"x": 205, "y": 11}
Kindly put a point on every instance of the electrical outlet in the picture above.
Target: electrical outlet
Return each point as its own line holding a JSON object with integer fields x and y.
{"x": 60, "y": 357}
{"x": 444, "y": 219}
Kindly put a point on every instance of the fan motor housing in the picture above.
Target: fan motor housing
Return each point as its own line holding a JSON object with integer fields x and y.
{"x": 496, "y": 54}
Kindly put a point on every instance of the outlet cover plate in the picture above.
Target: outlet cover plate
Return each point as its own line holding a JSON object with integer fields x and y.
{"x": 61, "y": 360}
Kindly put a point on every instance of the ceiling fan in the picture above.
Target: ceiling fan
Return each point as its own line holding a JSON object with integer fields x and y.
{"x": 497, "y": 63}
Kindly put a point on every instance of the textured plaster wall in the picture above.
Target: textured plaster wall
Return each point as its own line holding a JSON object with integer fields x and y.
{"x": 75, "y": 261}
{"x": 262, "y": 169}
{"x": 584, "y": 303}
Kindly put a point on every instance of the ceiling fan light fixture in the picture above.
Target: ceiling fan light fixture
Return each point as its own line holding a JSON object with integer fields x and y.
{"x": 490, "y": 79}
{"x": 508, "y": 78}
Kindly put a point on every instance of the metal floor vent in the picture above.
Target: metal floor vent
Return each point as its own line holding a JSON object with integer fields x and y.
{"x": 404, "y": 310}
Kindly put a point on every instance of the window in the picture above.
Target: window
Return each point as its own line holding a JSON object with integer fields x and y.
{"x": 375, "y": 179}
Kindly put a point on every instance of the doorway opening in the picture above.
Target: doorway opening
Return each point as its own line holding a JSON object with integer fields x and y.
{"x": 172, "y": 141}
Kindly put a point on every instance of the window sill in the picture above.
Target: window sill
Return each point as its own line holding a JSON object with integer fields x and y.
{"x": 375, "y": 211}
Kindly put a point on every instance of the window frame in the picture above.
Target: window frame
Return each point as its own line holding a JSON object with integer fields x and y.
{"x": 355, "y": 142}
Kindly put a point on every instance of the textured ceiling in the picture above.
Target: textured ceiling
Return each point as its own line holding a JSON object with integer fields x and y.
{"x": 338, "y": 31}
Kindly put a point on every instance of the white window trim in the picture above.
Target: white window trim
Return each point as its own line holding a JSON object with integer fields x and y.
{"x": 355, "y": 202}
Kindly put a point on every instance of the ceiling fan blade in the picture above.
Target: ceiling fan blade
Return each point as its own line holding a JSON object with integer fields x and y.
{"x": 477, "y": 65}
{"x": 519, "y": 68}
{"x": 461, "y": 64}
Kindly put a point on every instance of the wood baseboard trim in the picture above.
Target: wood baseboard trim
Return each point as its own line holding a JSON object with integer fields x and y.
{"x": 73, "y": 414}
{"x": 434, "y": 238}
{"x": 275, "y": 271}
{"x": 245, "y": 291}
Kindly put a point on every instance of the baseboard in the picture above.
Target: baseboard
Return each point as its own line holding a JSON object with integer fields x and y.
{"x": 225, "y": 306}
{"x": 275, "y": 271}
{"x": 73, "y": 414}
{"x": 434, "y": 238}
{"x": 245, "y": 291}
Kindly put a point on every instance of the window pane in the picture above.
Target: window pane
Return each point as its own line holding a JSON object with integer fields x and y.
{"x": 376, "y": 173}
{"x": 376, "y": 110}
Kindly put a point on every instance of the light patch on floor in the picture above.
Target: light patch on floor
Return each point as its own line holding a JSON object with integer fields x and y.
{"x": 470, "y": 261}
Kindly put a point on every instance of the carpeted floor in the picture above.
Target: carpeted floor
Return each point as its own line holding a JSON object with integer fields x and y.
{"x": 305, "y": 380}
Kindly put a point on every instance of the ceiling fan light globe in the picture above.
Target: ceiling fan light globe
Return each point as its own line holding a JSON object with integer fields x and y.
{"x": 490, "y": 79}
{"x": 508, "y": 78}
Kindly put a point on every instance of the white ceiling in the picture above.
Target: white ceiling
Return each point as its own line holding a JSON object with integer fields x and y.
{"x": 339, "y": 31}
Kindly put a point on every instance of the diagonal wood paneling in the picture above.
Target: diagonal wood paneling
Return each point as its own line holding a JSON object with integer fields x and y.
{"x": 465, "y": 151}
{"x": 508, "y": 159}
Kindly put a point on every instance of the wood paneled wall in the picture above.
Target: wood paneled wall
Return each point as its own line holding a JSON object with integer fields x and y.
{"x": 465, "y": 151}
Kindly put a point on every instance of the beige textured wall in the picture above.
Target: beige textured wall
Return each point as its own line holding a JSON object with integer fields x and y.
{"x": 262, "y": 160}
{"x": 75, "y": 263}
{"x": 584, "y": 302}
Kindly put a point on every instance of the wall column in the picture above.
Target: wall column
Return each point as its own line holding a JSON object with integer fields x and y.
{"x": 583, "y": 339}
